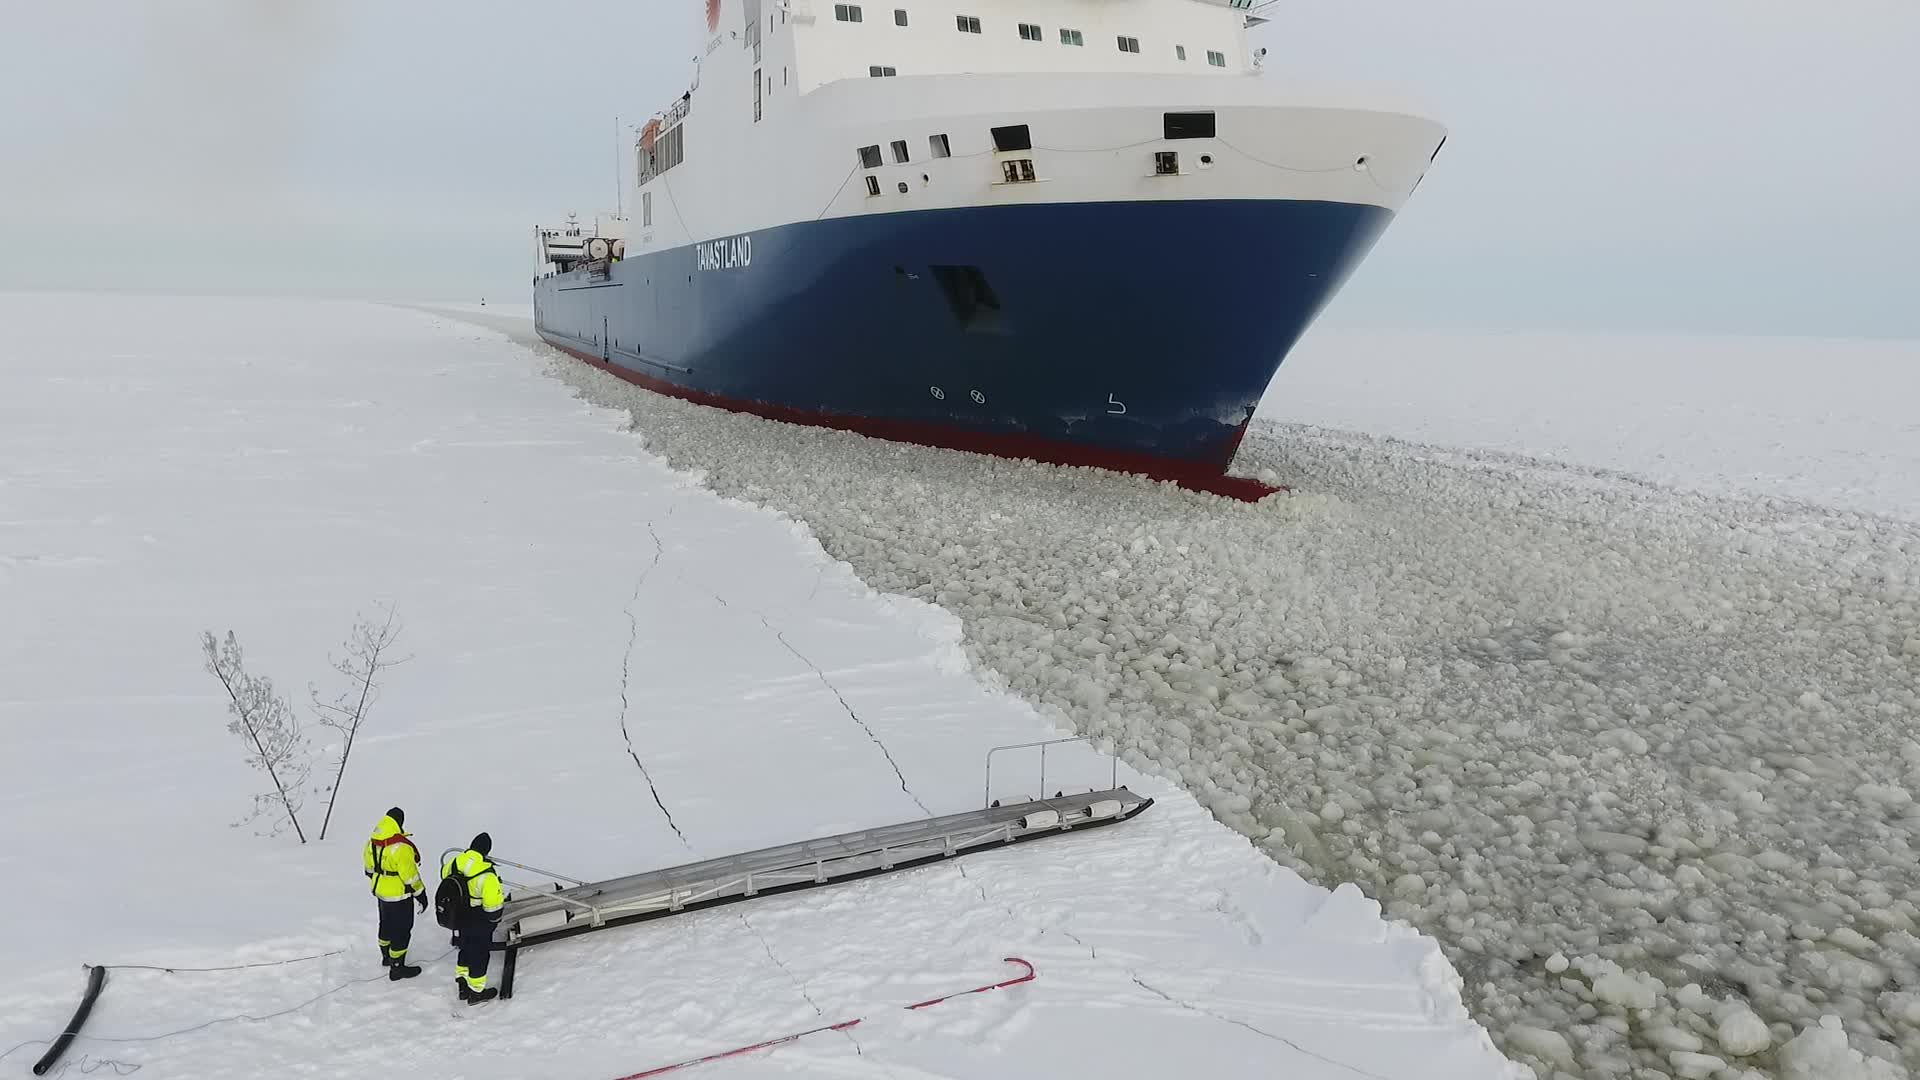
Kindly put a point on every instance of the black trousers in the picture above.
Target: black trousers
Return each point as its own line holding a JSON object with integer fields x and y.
{"x": 476, "y": 948}
{"x": 396, "y": 927}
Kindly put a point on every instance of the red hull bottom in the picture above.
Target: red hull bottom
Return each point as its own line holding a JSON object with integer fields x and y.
{"x": 1192, "y": 477}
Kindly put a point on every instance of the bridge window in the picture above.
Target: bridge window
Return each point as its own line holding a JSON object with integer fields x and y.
{"x": 1013, "y": 137}
{"x": 1029, "y": 32}
{"x": 879, "y": 72}
{"x": 870, "y": 157}
{"x": 968, "y": 24}
{"x": 899, "y": 16}
{"x": 1180, "y": 52}
{"x": 938, "y": 146}
{"x": 846, "y": 13}
{"x": 1071, "y": 37}
{"x": 899, "y": 151}
{"x": 1217, "y": 59}
{"x": 1130, "y": 44}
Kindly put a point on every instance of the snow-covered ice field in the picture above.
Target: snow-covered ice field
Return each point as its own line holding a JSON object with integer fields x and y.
{"x": 1826, "y": 421}
{"x": 571, "y": 604}
{"x": 1641, "y": 756}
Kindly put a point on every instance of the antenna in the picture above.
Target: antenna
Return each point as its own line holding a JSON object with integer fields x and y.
{"x": 619, "y": 193}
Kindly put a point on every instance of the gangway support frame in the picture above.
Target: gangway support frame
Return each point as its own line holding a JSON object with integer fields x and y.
{"x": 657, "y": 894}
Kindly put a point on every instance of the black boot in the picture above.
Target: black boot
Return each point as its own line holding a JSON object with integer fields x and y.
{"x": 401, "y": 971}
{"x": 386, "y": 959}
{"x": 477, "y": 996}
{"x": 461, "y": 985}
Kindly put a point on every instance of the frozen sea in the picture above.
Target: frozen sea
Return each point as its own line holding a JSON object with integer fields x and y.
{"x": 1593, "y": 660}
{"x": 612, "y": 668}
{"x": 1827, "y": 421}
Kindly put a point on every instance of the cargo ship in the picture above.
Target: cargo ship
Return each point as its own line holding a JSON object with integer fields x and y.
{"x": 1079, "y": 231}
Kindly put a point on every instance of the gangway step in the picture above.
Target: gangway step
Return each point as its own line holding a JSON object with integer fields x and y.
{"x": 538, "y": 917}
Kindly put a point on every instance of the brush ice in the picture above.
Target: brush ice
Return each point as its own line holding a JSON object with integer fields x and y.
{"x": 1741, "y": 1032}
{"x": 1821, "y": 1053}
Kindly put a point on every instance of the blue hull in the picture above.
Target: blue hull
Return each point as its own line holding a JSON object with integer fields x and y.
{"x": 1134, "y": 335}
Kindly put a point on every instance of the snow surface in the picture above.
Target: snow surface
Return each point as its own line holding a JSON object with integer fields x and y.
{"x": 1827, "y": 421}
{"x": 1641, "y": 758}
{"x": 575, "y": 608}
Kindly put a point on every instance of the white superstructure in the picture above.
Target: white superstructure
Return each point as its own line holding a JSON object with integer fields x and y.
{"x": 805, "y": 110}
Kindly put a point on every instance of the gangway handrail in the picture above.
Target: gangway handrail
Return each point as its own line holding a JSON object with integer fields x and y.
{"x": 537, "y": 870}
{"x": 1113, "y": 781}
{"x": 967, "y": 826}
{"x": 527, "y": 918}
{"x": 507, "y": 881}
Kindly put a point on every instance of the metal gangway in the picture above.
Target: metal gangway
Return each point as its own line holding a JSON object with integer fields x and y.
{"x": 567, "y": 906}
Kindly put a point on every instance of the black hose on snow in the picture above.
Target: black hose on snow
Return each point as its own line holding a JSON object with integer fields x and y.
{"x": 96, "y": 978}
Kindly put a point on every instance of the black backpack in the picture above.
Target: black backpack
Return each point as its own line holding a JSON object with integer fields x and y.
{"x": 450, "y": 901}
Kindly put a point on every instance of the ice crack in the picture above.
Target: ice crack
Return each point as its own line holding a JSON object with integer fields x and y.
{"x": 626, "y": 678}
{"x": 1225, "y": 1019}
{"x": 828, "y": 683}
{"x": 795, "y": 980}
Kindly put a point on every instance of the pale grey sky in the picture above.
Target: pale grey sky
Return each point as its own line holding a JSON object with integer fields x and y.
{"x": 1747, "y": 165}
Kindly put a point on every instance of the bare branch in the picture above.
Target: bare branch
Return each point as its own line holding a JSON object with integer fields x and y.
{"x": 367, "y": 654}
{"x": 268, "y": 724}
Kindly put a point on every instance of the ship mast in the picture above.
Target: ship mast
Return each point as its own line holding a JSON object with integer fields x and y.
{"x": 619, "y": 195}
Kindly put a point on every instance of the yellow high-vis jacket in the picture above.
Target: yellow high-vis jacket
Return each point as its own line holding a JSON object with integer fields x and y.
{"x": 391, "y": 862}
{"x": 484, "y": 893}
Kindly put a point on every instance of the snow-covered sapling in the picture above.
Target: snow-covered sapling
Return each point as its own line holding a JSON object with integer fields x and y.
{"x": 368, "y": 652}
{"x": 271, "y": 730}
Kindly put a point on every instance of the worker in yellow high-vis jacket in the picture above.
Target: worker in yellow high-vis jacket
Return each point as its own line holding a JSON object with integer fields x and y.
{"x": 485, "y": 898}
{"x": 392, "y": 866}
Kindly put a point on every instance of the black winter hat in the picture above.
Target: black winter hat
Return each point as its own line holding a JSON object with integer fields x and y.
{"x": 483, "y": 844}
{"x": 399, "y": 816}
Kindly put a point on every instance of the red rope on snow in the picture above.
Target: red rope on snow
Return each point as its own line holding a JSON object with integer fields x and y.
{"x": 841, "y": 1026}
{"x": 1028, "y": 977}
